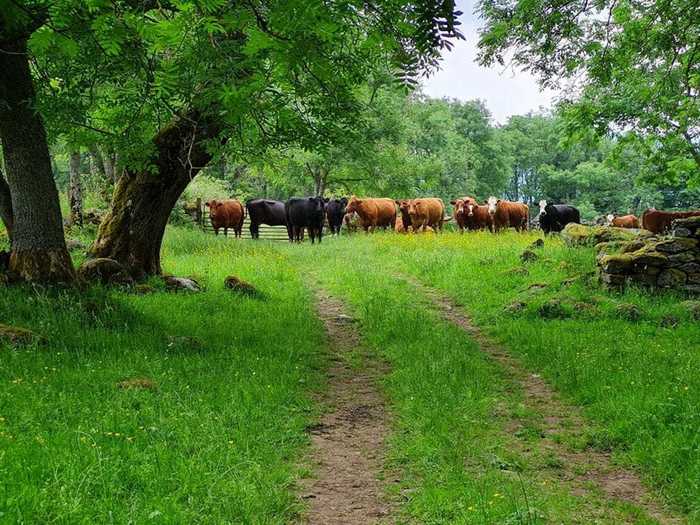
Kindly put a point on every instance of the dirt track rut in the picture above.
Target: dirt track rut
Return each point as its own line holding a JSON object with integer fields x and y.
{"x": 348, "y": 441}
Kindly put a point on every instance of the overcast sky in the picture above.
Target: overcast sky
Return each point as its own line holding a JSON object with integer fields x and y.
{"x": 506, "y": 92}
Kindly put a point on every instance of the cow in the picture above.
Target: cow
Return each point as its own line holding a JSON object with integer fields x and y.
{"x": 623, "y": 221}
{"x": 405, "y": 217}
{"x": 226, "y": 214}
{"x": 399, "y": 227}
{"x": 335, "y": 211}
{"x": 426, "y": 212}
{"x": 553, "y": 217}
{"x": 506, "y": 214}
{"x": 471, "y": 215}
{"x": 305, "y": 212}
{"x": 373, "y": 213}
{"x": 657, "y": 221}
{"x": 265, "y": 211}
{"x": 351, "y": 221}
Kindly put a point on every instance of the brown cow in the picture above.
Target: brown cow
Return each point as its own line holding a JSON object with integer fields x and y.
{"x": 226, "y": 214}
{"x": 373, "y": 213}
{"x": 399, "y": 228}
{"x": 404, "y": 205}
{"x": 657, "y": 221}
{"x": 507, "y": 214}
{"x": 426, "y": 212}
{"x": 623, "y": 221}
{"x": 458, "y": 213}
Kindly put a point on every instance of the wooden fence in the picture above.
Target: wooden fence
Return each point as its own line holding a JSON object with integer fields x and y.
{"x": 198, "y": 214}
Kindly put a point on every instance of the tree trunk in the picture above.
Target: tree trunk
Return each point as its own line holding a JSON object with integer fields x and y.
{"x": 75, "y": 193}
{"x": 108, "y": 161}
{"x": 38, "y": 245}
{"x": 6, "y": 206}
{"x": 133, "y": 229}
{"x": 97, "y": 165}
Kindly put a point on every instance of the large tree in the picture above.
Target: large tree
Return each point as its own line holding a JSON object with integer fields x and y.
{"x": 38, "y": 245}
{"x": 628, "y": 67}
{"x": 167, "y": 83}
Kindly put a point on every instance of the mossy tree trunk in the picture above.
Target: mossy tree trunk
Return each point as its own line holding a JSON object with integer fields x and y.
{"x": 132, "y": 231}
{"x": 38, "y": 246}
{"x": 6, "y": 214}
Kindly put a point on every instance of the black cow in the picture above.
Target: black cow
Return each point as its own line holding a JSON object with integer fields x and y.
{"x": 265, "y": 211}
{"x": 305, "y": 212}
{"x": 335, "y": 211}
{"x": 553, "y": 217}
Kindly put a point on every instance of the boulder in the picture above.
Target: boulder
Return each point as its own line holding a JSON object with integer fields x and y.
{"x": 671, "y": 278}
{"x": 106, "y": 271}
{"x": 689, "y": 227}
{"x": 73, "y": 244}
{"x": 675, "y": 245}
{"x": 581, "y": 235}
{"x": 181, "y": 284}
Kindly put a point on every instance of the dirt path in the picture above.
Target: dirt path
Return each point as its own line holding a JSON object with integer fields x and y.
{"x": 348, "y": 442}
{"x": 579, "y": 469}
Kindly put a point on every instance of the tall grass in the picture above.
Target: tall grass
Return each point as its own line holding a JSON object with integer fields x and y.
{"x": 217, "y": 441}
{"x": 636, "y": 377}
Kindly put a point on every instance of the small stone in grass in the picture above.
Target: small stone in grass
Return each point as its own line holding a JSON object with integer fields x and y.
{"x": 515, "y": 307}
{"x": 553, "y": 309}
{"x": 669, "y": 321}
{"x": 176, "y": 284}
{"x": 692, "y": 307}
{"x": 235, "y": 284}
{"x": 528, "y": 256}
{"x": 138, "y": 383}
{"x": 539, "y": 243}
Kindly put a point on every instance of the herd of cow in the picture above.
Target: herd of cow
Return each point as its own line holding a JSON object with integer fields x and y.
{"x": 310, "y": 214}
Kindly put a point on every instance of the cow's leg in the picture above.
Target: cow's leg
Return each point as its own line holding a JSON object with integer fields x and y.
{"x": 216, "y": 231}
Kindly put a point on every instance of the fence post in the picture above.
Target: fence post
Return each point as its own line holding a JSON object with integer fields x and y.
{"x": 200, "y": 213}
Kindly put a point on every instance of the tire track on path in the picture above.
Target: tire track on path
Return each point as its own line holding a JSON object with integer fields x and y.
{"x": 580, "y": 468}
{"x": 348, "y": 441}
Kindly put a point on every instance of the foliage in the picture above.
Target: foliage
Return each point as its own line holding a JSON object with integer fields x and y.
{"x": 632, "y": 68}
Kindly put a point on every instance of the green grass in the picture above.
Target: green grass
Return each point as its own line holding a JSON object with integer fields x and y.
{"x": 637, "y": 380}
{"x": 223, "y": 437}
{"x": 218, "y": 441}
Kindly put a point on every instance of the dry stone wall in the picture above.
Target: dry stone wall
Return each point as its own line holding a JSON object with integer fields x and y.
{"x": 670, "y": 262}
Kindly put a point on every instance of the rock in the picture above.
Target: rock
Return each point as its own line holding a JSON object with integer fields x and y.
{"x": 689, "y": 267}
{"x": 584, "y": 308}
{"x": 694, "y": 278}
{"x": 693, "y": 308}
{"x": 181, "y": 284}
{"x": 106, "y": 271}
{"x": 184, "y": 343}
{"x": 517, "y": 271}
{"x": 676, "y": 245}
{"x": 16, "y": 336}
{"x": 539, "y": 243}
{"x": 688, "y": 227}
{"x": 671, "y": 278}
{"x": 613, "y": 280}
{"x": 93, "y": 216}
{"x": 73, "y": 244}
{"x": 581, "y": 235}
{"x": 138, "y": 383}
{"x": 528, "y": 256}
{"x": 570, "y": 281}
{"x": 628, "y": 311}
{"x": 515, "y": 307}
{"x": 553, "y": 309}
{"x": 235, "y": 284}
{"x": 616, "y": 263}
{"x": 683, "y": 257}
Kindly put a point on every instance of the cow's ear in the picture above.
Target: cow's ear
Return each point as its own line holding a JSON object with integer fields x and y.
{"x": 344, "y": 200}
{"x": 207, "y": 204}
{"x": 453, "y": 202}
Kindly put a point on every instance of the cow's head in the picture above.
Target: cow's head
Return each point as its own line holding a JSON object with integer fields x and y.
{"x": 457, "y": 206}
{"x": 213, "y": 206}
{"x": 318, "y": 204}
{"x": 492, "y": 203}
{"x": 543, "y": 207}
{"x": 415, "y": 207}
{"x": 609, "y": 218}
{"x": 353, "y": 205}
{"x": 469, "y": 203}
{"x": 404, "y": 205}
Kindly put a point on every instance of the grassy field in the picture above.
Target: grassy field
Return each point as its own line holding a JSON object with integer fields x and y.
{"x": 222, "y": 437}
